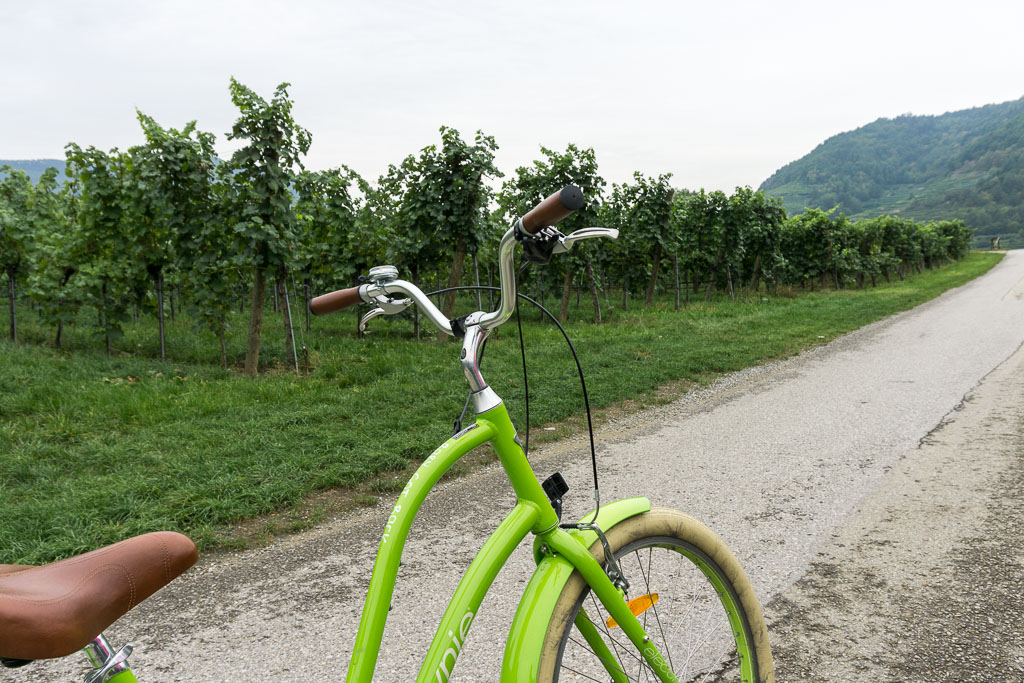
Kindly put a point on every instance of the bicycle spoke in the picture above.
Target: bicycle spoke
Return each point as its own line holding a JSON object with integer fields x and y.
{"x": 686, "y": 618}
{"x": 712, "y": 668}
{"x": 603, "y": 660}
{"x": 694, "y": 649}
{"x": 647, "y": 585}
{"x": 628, "y": 649}
{"x": 696, "y": 598}
{"x": 580, "y": 673}
{"x": 617, "y": 646}
{"x": 597, "y": 608}
{"x": 694, "y": 615}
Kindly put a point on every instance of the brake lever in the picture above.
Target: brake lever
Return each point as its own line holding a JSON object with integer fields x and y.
{"x": 385, "y": 306}
{"x": 565, "y": 242}
{"x": 368, "y": 317}
{"x": 391, "y": 306}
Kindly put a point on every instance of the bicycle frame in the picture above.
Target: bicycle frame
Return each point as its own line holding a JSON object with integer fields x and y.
{"x": 558, "y": 551}
{"x": 563, "y": 551}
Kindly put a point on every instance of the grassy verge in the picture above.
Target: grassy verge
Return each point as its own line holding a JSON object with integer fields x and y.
{"x": 94, "y": 449}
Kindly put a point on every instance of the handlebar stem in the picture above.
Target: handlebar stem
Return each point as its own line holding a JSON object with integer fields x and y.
{"x": 484, "y": 398}
{"x": 477, "y": 325}
{"x": 487, "y": 321}
{"x": 506, "y": 279}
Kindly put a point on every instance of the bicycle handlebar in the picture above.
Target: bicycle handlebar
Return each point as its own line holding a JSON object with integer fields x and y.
{"x": 553, "y": 209}
{"x": 377, "y": 292}
{"x": 335, "y": 301}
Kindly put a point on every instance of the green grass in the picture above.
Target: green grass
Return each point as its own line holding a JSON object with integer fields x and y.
{"x": 94, "y": 449}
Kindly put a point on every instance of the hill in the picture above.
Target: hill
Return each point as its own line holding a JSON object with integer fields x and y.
{"x": 966, "y": 164}
{"x": 35, "y": 167}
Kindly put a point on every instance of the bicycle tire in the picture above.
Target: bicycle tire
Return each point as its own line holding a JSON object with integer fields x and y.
{"x": 721, "y": 593}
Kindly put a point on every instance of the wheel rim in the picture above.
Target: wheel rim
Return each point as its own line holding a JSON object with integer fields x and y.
{"x": 697, "y": 623}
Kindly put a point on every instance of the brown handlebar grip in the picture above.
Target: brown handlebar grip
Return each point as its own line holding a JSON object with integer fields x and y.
{"x": 553, "y": 209}
{"x": 335, "y": 301}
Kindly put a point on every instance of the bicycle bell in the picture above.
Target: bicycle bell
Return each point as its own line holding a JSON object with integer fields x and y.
{"x": 381, "y": 275}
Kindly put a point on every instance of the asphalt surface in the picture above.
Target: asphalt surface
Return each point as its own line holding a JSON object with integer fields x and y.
{"x": 926, "y": 582}
{"x": 793, "y": 464}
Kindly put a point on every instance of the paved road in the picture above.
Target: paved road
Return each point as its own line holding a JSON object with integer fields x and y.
{"x": 780, "y": 460}
{"x": 926, "y": 581}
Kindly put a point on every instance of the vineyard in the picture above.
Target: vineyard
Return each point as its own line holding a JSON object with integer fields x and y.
{"x": 167, "y": 229}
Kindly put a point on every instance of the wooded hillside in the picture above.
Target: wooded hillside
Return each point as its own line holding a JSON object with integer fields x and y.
{"x": 966, "y": 165}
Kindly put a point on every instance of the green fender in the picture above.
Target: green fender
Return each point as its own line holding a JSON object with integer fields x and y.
{"x": 526, "y": 637}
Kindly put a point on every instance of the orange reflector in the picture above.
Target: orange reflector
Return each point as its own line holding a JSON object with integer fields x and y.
{"x": 637, "y": 606}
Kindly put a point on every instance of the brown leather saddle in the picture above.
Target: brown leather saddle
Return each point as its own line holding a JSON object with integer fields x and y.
{"x": 56, "y": 609}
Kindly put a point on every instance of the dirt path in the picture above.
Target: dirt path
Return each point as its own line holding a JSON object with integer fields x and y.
{"x": 791, "y": 463}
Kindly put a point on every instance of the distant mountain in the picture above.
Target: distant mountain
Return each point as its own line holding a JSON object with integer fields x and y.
{"x": 966, "y": 164}
{"x": 35, "y": 167}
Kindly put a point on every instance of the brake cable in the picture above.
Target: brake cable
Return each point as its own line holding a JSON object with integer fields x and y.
{"x": 522, "y": 349}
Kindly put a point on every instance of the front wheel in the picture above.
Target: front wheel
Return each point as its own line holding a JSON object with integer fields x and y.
{"x": 693, "y": 599}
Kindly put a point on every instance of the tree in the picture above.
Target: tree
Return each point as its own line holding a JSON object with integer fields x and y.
{"x": 696, "y": 218}
{"x": 99, "y": 248}
{"x": 459, "y": 171}
{"x": 625, "y": 256}
{"x": 806, "y": 247}
{"x": 738, "y": 215}
{"x": 763, "y": 240}
{"x": 52, "y": 265}
{"x": 207, "y": 252}
{"x": 193, "y": 202}
{"x": 906, "y": 245}
{"x": 264, "y": 170}
{"x": 533, "y": 183}
{"x": 649, "y": 219}
{"x": 959, "y": 237}
{"x": 820, "y": 246}
{"x": 341, "y": 239}
{"x": 173, "y": 200}
{"x": 405, "y": 205}
{"x": 439, "y": 199}
{"x": 16, "y": 232}
{"x": 642, "y": 211}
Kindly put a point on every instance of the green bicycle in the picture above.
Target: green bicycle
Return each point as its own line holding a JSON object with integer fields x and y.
{"x": 630, "y": 592}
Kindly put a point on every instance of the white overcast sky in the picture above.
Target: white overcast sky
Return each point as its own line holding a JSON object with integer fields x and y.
{"x": 718, "y": 93}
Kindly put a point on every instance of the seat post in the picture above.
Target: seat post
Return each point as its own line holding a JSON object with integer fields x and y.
{"x": 106, "y": 662}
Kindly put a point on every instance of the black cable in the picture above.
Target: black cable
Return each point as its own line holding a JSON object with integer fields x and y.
{"x": 457, "y": 427}
{"x": 469, "y": 396}
{"x": 526, "y": 383}
{"x": 579, "y": 370}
